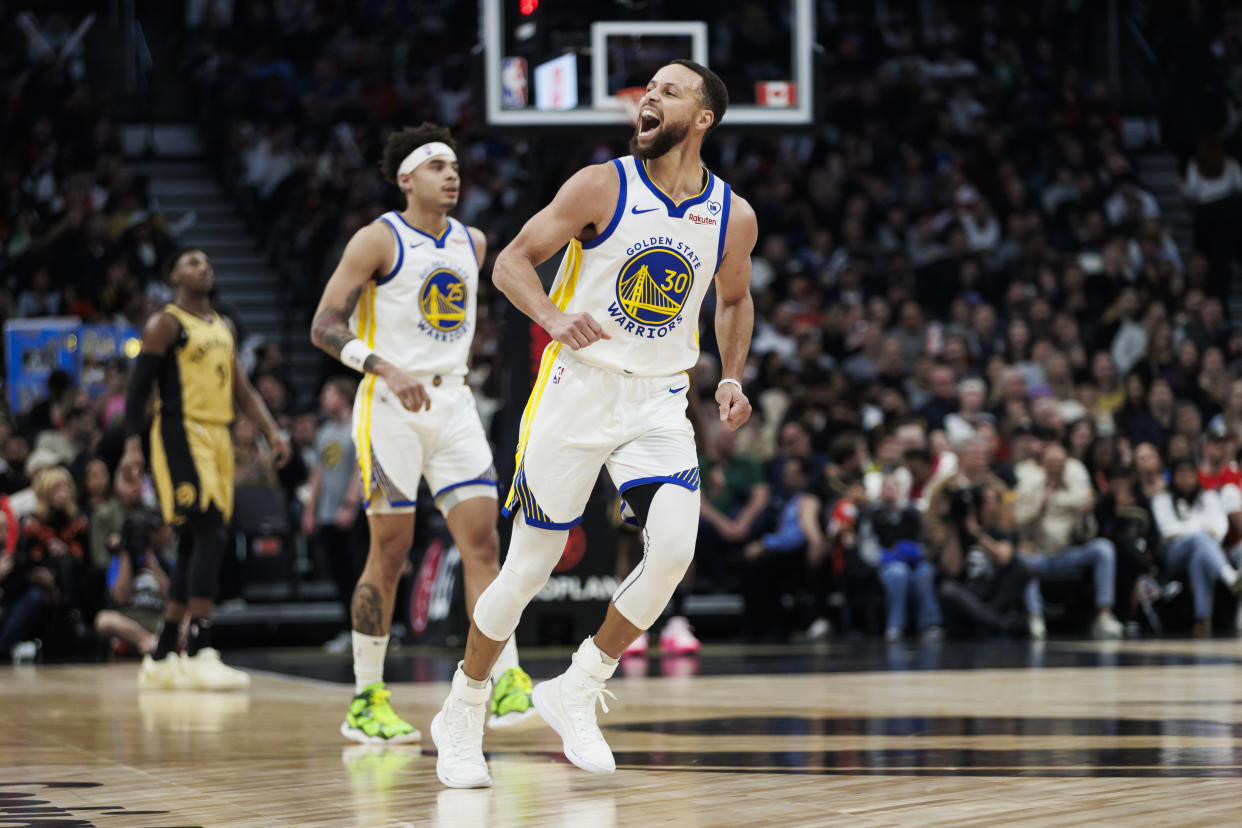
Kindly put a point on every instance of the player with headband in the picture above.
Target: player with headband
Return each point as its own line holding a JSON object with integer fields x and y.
{"x": 400, "y": 308}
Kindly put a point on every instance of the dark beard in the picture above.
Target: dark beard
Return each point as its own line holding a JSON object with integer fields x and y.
{"x": 668, "y": 136}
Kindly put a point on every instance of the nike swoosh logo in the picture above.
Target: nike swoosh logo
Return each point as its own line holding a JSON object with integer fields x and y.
{"x": 420, "y": 244}
{"x": 675, "y": 390}
{"x": 639, "y": 212}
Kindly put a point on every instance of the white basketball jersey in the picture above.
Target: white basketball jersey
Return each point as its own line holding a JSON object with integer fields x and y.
{"x": 420, "y": 316}
{"x": 644, "y": 276}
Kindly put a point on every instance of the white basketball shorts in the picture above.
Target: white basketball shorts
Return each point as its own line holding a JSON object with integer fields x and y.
{"x": 580, "y": 418}
{"x": 397, "y": 447}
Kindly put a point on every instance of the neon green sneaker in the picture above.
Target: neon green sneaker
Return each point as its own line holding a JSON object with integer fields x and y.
{"x": 371, "y": 720}
{"x": 511, "y": 702}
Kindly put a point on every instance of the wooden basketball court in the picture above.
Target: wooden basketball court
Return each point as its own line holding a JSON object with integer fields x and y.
{"x": 1069, "y": 733}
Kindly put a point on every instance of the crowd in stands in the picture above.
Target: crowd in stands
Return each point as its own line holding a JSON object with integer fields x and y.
{"x": 78, "y": 232}
{"x": 992, "y": 394}
{"x": 976, "y": 331}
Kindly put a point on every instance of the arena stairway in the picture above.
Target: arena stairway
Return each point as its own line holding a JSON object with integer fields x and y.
{"x": 184, "y": 189}
{"x": 1159, "y": 173}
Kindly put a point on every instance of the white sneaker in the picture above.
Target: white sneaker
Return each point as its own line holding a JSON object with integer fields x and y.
{"x": 567, "y": 704}
{"x": 457, "y": 731}
{"x": 161, "y": 674}
{"x": 677, "y": 639}
{"x": 819, "y": 630}
{"x": 638, "y": 646}
{"x": 205, "y": 671}
{"x": 25, "y": 652}
{"x": 343, "y": 643}
{"x": 1035, "y": 624}
{"x": 1107, "y": 626}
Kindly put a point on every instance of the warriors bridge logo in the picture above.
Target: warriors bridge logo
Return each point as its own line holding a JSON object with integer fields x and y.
{"x": 652, "y": 289}
{"x": 443, "y": 303}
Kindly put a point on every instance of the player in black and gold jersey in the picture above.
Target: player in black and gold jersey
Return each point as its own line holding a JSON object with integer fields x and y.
{"x": 189, "y": 354}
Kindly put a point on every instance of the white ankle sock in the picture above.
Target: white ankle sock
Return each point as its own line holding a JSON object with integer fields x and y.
{"x": 508, "y": 658}
{"x": 1228, "y": 575}
{"x": 603, "y": 656}
{"x": 468, "y": 690}
{"x": 369, "y": 651}
{"x": 591, "y": 659}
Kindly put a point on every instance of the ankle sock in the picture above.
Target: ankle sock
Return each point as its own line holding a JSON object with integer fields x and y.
{"x": 369, "y": 651}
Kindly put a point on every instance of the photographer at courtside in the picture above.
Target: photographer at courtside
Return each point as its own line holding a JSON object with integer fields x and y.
{"x": 969, "y": 523}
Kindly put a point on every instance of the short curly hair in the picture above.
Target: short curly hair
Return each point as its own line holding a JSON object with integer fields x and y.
{"x": 402, "y": 142}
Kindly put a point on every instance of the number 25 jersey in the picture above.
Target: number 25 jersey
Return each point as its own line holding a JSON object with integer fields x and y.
{"x": 643, "y": 278}
{"x": 420, "y": 316}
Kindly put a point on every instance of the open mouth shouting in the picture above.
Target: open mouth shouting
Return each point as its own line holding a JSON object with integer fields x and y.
{"x": 648, "y": 122}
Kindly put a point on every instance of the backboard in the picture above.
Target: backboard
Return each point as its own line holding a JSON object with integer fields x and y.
{"x": 563, "y": 62}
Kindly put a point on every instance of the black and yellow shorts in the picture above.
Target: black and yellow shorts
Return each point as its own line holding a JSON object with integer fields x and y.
{"x": 192, "y": 465}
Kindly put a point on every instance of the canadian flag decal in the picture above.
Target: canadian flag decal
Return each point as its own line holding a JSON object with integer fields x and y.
{"x": 776, "y": 93}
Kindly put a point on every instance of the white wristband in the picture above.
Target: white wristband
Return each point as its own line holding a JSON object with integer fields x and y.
{"x": 355, "y": 354}
{"x": 731, "y": 381}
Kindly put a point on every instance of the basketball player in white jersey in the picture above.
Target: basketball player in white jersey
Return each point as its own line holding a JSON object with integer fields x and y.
{"x": 647, "y": 236}
{"x": 400, "y": 307}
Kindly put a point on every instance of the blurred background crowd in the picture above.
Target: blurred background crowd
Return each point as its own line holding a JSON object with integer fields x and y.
{"x": 994, "y": 392}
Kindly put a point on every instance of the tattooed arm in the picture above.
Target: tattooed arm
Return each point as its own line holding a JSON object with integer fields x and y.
{"x": 368, "y": 252}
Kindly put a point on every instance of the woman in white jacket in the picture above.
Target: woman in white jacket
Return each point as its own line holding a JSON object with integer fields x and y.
{"x": 1193, "y": 523}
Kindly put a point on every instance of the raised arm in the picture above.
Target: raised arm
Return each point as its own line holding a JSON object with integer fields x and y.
{"x": 581, "y": 209}
{"x": 159, "y": 336}
{"x": 735, "y": 312}
{"x": 369, "y": 252}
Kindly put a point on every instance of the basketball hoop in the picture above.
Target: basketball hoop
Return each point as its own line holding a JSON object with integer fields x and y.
{"x": 629, "y": 98}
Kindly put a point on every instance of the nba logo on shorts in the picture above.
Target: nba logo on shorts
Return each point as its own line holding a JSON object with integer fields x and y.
{"x": 556, "y": 376}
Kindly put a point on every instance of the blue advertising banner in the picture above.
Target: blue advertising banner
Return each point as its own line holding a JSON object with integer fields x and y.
{"x": 36, "y": 347}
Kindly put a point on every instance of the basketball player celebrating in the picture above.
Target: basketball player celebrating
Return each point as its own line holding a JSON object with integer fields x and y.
{"x": 647, "y": 234}
{"x": 400, "y": 307}
{"x": 188, "y": 351}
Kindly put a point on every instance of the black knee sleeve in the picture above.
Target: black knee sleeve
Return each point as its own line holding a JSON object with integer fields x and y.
{"x": 210, "y": 537}
{"x": 639, "y": 498}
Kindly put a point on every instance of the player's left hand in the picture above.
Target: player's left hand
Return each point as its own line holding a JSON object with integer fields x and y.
{"x": 734, "y": 407}
{"x": 280, "y": 449}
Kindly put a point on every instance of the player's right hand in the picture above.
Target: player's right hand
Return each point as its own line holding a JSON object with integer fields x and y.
{"x": 577, "y": 330}
{"x": 407, "y": 389}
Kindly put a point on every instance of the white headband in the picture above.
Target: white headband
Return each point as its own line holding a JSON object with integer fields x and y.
{"x": 424, "y": 153}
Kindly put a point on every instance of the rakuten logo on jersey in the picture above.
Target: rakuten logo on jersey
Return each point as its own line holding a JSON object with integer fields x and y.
{"x": 697, "y": 219}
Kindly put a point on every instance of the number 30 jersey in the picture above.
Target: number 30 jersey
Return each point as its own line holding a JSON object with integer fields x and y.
{"x": 643, "y": 278}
